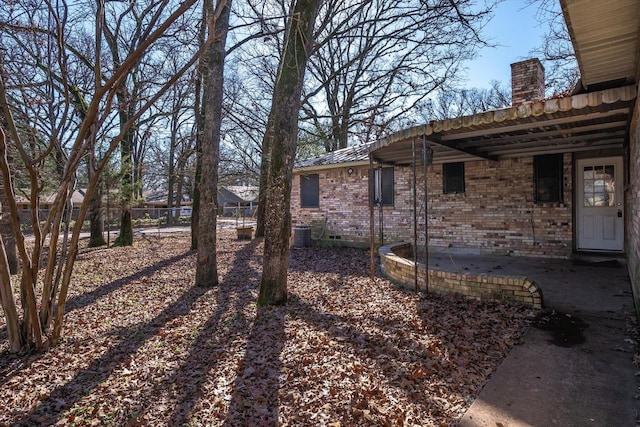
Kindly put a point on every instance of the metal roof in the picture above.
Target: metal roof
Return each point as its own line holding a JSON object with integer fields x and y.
{"x": 605, "y": 36}
{"x": 246, "y": 193}
{"x": 351, "y": 155}
{"x": 606, "y": 39}
{"x": 23, "y": 197}
{"x": 596, "y": 120}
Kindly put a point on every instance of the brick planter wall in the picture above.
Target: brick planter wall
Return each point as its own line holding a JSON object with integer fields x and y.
{"x": 478, "y": 286}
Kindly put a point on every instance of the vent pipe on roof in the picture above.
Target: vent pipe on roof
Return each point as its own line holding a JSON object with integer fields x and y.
{"x": 527, "y": 81}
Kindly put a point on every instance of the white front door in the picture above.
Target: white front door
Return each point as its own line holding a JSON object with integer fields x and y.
{"x": 599, "y": 204}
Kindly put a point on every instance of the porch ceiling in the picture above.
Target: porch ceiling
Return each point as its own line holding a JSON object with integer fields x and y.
{"x": 596, "y": 120}
{"x": 605, "y": 36}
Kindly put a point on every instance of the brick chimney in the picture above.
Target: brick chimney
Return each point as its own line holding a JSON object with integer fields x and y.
{"x": 527, "y": 81}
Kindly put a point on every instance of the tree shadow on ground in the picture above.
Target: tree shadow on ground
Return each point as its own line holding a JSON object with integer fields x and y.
{"x": 374, "y": 347}
{"x": 88, "y": 298}
{"x": 254, "y": 400}
{"x": 12, "y": 364}
{"x": 48, "y": 411}
{"x": 241, "y": 351}
{"x": 183, "y": 389}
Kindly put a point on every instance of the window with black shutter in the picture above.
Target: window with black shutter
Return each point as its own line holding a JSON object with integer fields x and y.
{"x": 310, "y": 191}
{"x": 383, "y": 187}
{"x": 453, "y": 178}
{"x": 548, "y": 178}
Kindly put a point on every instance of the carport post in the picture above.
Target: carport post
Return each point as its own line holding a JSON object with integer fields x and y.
{"x": 427, "y": 159}
{"x": 378, "y": 184}
{"x": 372, "y": 238}
{"x": 415, "y": 215}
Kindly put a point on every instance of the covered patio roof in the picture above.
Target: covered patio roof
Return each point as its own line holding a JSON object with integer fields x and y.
{"x": 595, "y": 120}
{"x": 605, "y": 39}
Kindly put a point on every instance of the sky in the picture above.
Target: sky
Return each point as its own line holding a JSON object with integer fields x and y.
{"x": 516, "y": 31}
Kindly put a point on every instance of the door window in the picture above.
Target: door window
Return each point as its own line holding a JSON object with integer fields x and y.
{"x": 599, "y": 185}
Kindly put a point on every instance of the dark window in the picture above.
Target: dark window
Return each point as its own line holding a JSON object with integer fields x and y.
{"x": 309, "y": 191}
{"x": 453, "y": 178}
{"x": 382, "y": 186}
{"x": 548, "y": 178}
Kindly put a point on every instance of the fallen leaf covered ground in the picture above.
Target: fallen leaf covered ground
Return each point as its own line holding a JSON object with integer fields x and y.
{"x": 144, "y": 346}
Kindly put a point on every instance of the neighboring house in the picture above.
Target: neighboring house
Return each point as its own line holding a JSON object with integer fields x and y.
{"x": 237, "y": 200}
{"x": 159, "y": 200}
{"x": 232, "y": 200}
{"x": 546, "y": 177}
{"x": 46, "y": 202}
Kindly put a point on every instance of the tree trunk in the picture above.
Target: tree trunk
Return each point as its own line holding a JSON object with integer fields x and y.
{"x": 125, "y": 238}
{"x": 195, "y": 202}
{"x": 206, "y": 267}
{"x": 12, "y": 320}
{"x": 171, "y": 179}
{"x": 282, "y": 131}
{"x": 262, "y": 192}
{"x": 180, "y": 184}
{"x": 16, "y": 339}
{"x": 199, "y": 117}
{"x": 6, "y": 228}
{"x": 96, "y": 233}
{"x": 6, "y": 232}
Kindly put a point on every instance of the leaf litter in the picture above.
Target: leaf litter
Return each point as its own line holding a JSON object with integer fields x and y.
{"x": 144, "y": 346}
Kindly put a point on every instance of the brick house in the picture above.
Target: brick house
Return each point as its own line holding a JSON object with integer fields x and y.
{"x": 500, "y": 182}
{"x": 544, "y": 178}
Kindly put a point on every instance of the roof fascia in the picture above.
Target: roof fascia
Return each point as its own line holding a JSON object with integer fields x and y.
{"x": 330, "y": 166}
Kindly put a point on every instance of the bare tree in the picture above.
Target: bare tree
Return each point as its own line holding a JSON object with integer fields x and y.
{"x": 556, "y": 52}
{"x": 257, "y": 49}
{"x": 122, "y": 33}
{"x": 180, "y": 143}
{"x": 213, "y": 79}
{"x": 282, "y": 136}
{"x": 455, "y": 102}
{"x": 243, "y": 129}
{"x": 378, "y": 61}
{"x": 41, "y": 321}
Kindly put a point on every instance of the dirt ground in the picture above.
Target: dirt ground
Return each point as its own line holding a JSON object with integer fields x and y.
{"x": 144, "y": 346}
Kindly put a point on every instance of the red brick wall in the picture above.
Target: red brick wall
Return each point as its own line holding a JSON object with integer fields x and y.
{"x": 527, "y": 81}
{"x": 343, "y": 202}
{"x": 632, "y": 200}
{"x": 496, "y": 214}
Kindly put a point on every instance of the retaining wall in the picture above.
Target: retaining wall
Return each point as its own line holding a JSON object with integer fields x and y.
{"x": 399, "y": 268}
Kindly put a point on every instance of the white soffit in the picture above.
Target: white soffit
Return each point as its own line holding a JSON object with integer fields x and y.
{"x": 605, "y": 37}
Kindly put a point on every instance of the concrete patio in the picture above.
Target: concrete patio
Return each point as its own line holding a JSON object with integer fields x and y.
{"x": 588, "y": 380}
